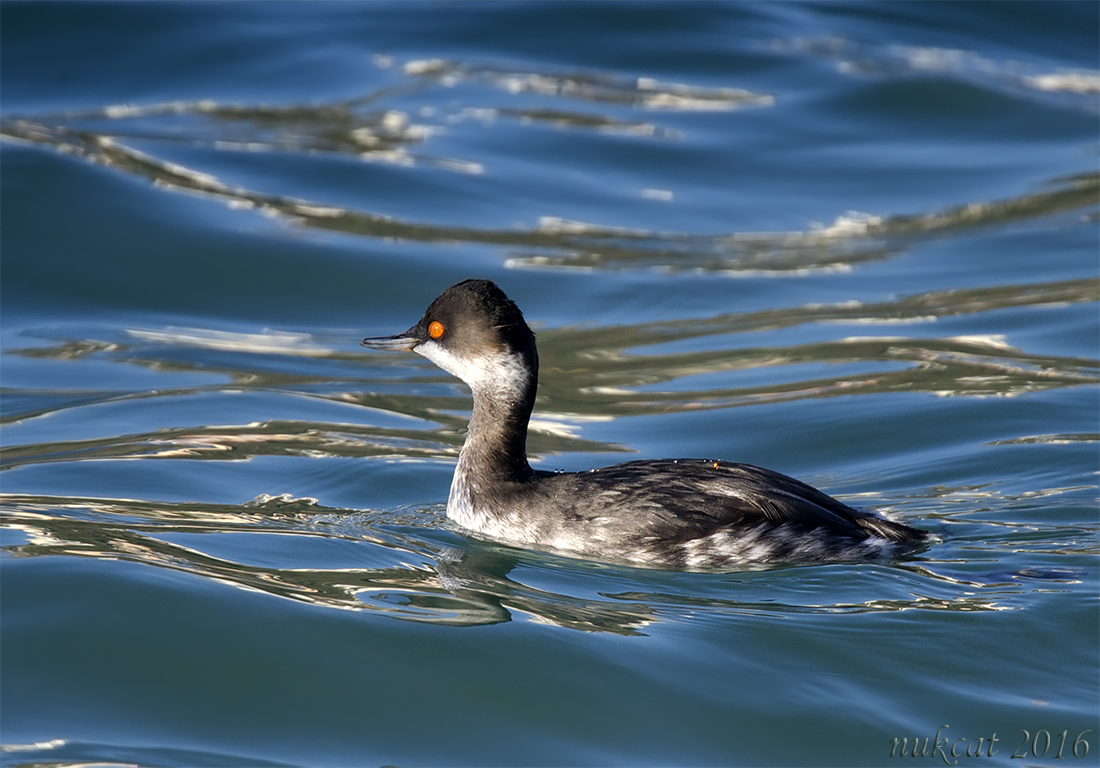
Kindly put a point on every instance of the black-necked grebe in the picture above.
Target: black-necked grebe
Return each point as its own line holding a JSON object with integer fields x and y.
{"x": 672, "y": 513}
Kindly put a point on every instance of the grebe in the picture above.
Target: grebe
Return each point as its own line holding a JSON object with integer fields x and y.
{"x": 672, "y": 513}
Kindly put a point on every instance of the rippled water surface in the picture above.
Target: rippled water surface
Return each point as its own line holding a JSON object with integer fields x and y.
{"x": 856, "y": 243}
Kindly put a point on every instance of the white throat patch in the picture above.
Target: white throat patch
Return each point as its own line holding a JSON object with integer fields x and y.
{"x": 502, "y": 372}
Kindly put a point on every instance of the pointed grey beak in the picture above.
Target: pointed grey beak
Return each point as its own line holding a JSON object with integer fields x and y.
{"x": 402, "y": 342}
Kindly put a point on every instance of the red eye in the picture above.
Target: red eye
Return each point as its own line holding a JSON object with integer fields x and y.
{"x": 436, "y": 329}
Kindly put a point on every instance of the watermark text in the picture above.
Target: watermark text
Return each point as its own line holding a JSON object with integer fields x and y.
{"x": 949, "y": 749}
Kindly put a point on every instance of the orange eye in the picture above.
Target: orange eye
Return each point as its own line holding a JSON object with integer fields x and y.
{"x": 436, "y": 329}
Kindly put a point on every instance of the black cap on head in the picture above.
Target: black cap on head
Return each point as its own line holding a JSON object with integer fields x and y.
{"x": 473, "y": 315}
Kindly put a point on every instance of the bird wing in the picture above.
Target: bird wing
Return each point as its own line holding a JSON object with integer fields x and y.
{"x": 685, "y": 498}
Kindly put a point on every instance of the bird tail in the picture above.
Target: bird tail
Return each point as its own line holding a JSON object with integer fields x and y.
{"x": 888, "y": 529}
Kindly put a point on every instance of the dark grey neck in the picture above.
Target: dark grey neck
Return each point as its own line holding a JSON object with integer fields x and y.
{"x": 496, "y": 443}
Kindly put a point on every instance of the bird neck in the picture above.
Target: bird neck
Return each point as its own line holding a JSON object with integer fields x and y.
{"x": 495, "y": 452}
{"x": 496, "y": 441}
{"x": 494, "y": 455}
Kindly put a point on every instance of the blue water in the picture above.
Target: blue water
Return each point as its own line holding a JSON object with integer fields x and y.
{"x": 856, "y": 243}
